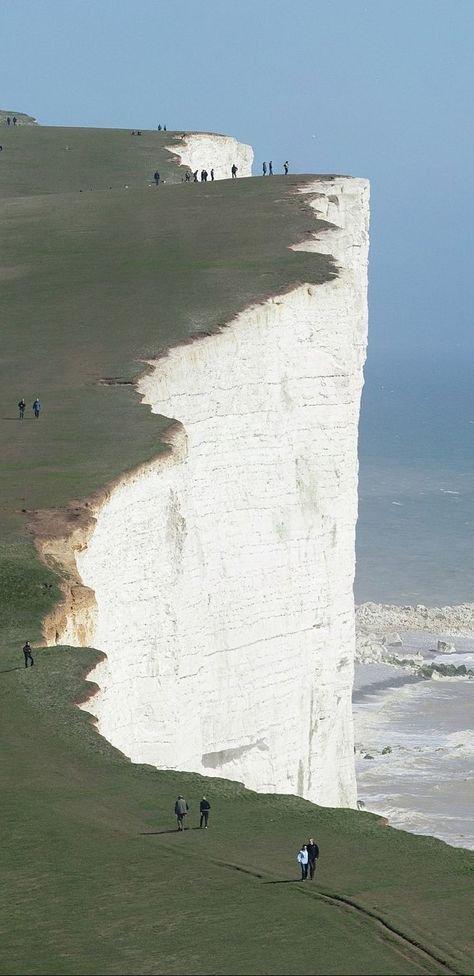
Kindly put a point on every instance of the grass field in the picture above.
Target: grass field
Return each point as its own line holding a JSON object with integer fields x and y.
{"x": 95, "y": 878}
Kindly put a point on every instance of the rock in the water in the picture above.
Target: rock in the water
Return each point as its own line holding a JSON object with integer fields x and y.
{"x": 445, "y": 647}
{"x": 393, "y": 640}
{"x": 386, "y": 750}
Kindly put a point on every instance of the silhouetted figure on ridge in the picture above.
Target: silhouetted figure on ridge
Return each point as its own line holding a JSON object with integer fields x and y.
{"x": 264, "y": 169}
{"x": 195, "y": 176}
{"x": 286, "y": 167}
{"x": 14, "y": 120}
{"x": 270, "y": 168}
{"x": 212, "y": 175}
{"x": 159, "y": 128}
{"x": 9, "y": 121}
{"x": 21, "y": 407}
{"x": 234, "y": 172}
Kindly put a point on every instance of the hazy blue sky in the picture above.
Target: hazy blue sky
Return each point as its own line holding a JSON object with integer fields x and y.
{"x": 376, "y": 88}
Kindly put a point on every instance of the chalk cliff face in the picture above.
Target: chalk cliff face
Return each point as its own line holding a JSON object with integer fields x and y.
{"x": 223, "y": 573}
{"x": 202, "y": 150}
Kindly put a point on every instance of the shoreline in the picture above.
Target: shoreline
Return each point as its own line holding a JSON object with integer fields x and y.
{"x": 414, "y": 744}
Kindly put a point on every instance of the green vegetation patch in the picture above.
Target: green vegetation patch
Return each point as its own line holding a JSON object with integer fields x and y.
{"x": 95, "y": 880}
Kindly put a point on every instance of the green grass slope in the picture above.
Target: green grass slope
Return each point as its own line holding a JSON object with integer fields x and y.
{"x": 95, "y": 879}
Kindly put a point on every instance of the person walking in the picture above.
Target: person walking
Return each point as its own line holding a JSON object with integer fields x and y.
{"x": 204, "y": 809}
{"x": 234, "y": 172}
{"x": 270, "y": 168}
{"x": 156, "y": 177}
{"x": 28, "y": 654}
{"x": 286, "y": 167}
{"x": 180, "y": 808}
{"x": 14, "y": 120}
{"x": 21, "y": 407}
{"x": 212, "y": 175}
{"x": 264, "y": 169}
{"x": 302, "y": 858}
{"x": 8, "y": 120}
{"x": 313, "y": 854}
{"x": 195, "y": 176}
{"x": 36, "y": 408}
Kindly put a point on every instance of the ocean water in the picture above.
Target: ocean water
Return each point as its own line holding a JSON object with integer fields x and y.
{"x": 415, "y": 544}
{"x": 415, "y": 537}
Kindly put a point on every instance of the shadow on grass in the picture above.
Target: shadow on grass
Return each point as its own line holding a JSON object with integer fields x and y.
{"x": 286, "y": 881}
{"x": 168, "y": 830}
{"x": 7, "y": 670}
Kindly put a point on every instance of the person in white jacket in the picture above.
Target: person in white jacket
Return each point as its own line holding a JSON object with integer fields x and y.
{"x": 303, "y": 858}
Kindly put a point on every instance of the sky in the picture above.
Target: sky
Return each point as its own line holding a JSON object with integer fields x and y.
{"x": 373, "y": 88}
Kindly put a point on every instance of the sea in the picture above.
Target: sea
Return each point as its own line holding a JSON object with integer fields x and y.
{"x": 415, "y": 546}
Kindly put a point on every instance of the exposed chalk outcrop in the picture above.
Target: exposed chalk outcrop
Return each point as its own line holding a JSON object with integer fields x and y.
{"x": 223, "y": 572}
{"x": 202, "y": 150}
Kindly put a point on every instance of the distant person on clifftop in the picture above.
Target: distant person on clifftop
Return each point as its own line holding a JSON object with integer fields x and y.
{"x": 9, "y": 121}
{"x": 180, "y": 808}
{"x": 270, "y": 168}
{"x": 28, "y": 654}
{"x": 195, "y": 176}
{"x": 156, "y": 177}
{"x": 14, "y": 120}
{"x": 264, "y": 169}
{"x": 212, "y": 175}
{"x": 286, "y": 167}
{"x": 36, "y": 408}
{"x": 302, "y": 858}
{"x": 159, "y": 128}
{"x": 187, "y": 176}
{"x": 204, "y": 176}
{"x": 164, "y": 128}
{"x": 21, "y": 407}
{"x": 313, "y": 854}
{"x": 204, "y": 809}
{"x": 234, "y": 172}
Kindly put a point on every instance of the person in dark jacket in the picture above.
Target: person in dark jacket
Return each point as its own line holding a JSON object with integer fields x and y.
{"x": 212, "y": 175}
{"x": 204, "y": 809}
{"x": 264, "y": 169}
{"x": 270, "y": 168}
{"x": 180, "y": 808}
{"x": 313, "y": 854}
{"x": 156, "y": 177}
{"x": 28, "y": 654}
{"x": 21, "y": 407}
{"x": 36, "y": 407}
{"x": 286, "y": 167}
{"x": 234, "y": 172}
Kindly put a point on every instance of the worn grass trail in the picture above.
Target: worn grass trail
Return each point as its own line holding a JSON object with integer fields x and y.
{"x": 94, "y": 878}
{"x": 97, "y": 879}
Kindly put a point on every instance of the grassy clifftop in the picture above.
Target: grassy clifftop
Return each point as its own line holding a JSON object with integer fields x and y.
{"x": 95, "y": 278}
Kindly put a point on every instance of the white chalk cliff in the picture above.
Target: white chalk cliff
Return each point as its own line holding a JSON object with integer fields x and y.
{"x": 206, "y": 150}
{"x": 223, "y": 574}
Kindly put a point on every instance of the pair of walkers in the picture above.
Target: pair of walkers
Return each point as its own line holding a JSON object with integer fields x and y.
{"x": 307, "y": 856}
{"x": 36, "y": 407}
{"x": 181, "y": 810}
